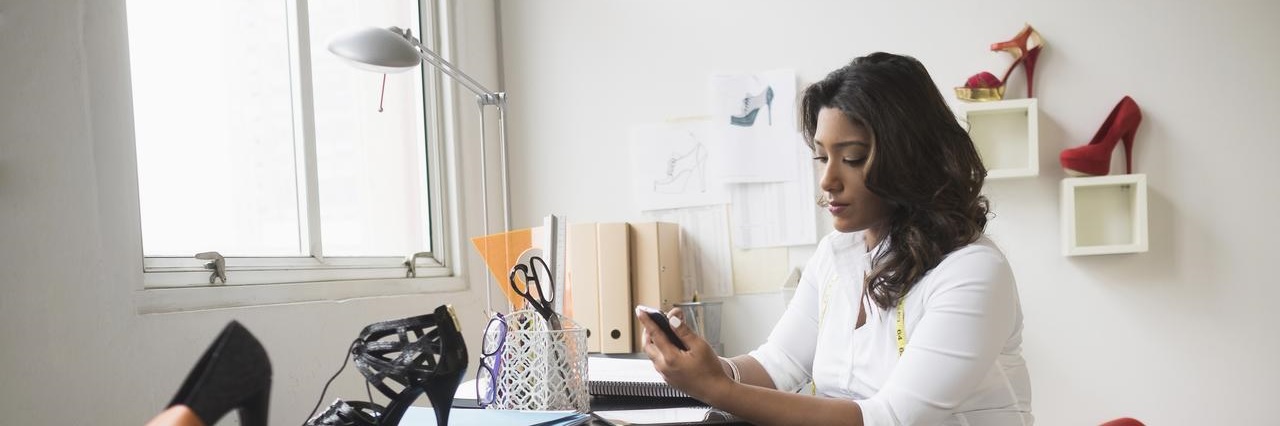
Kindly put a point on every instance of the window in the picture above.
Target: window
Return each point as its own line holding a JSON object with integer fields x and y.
{"x": 255, "y": 142}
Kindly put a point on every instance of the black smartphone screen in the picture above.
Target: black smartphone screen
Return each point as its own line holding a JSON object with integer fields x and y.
{"x": 661, "y": 319}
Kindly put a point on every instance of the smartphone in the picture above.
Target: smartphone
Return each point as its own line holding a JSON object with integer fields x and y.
{"x": 658, "y": 317}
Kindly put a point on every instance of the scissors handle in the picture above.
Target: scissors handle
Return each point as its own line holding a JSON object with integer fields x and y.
{"x": 533, "y": 281}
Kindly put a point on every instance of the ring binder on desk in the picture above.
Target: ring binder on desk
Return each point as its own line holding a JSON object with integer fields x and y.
{"x": 652, "y": 390}
{"x": 628, "y": 377}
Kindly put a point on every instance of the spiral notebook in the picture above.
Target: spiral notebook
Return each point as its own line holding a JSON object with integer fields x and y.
{"x": 627, "y": 377}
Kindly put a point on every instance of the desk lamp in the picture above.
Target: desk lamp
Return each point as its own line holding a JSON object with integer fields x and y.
{"x": 392, "y": 50}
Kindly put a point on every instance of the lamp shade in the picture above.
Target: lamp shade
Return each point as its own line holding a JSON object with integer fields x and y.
{"x": 376, "y": 49}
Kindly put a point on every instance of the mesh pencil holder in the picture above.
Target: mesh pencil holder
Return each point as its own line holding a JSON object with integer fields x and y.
{"x": 543, "y": 369}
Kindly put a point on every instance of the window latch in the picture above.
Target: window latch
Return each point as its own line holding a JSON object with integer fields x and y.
{"x": 411, "y": 262}
{"x": 217, "y": 263}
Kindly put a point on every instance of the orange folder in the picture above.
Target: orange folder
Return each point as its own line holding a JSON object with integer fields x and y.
{"x": 500, "y": 252}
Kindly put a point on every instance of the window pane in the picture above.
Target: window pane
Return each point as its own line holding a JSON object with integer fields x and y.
{"x": 372, "y": 165}
{"x": 212, "y": 115}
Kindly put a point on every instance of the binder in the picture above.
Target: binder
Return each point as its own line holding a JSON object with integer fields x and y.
{"x": 656, "y": 279}
{"x": 583, "y": 276}
{"x": 613, "y": 254}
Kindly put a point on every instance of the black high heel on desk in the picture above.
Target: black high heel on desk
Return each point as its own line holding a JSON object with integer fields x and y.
{"x": 234, "y": 373}
{"x": 432, "y": 361}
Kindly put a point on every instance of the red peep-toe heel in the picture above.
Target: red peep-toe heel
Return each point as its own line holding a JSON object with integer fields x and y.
{"x": 1025, "y": 49}
{"x": 1094, "y": 159}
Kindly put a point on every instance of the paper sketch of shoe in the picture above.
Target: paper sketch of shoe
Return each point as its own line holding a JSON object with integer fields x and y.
{"x": 751, "y": 107}
{"x": 686, "y": 172}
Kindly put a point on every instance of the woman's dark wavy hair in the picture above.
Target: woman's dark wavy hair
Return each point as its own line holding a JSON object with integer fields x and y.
{"x": 922, "y": 164}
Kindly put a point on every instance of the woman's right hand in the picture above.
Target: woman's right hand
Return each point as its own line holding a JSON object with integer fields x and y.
{"x": 697, "y": 371}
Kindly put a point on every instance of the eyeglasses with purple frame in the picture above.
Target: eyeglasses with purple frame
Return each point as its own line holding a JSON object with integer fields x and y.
{"x": 495, "y": 337}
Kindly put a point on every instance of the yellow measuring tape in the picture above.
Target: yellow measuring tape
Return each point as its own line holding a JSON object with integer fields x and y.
{"x": 822, "y": 316}
{"x": 826, "y": 300}
{"x": 902, "y": 325}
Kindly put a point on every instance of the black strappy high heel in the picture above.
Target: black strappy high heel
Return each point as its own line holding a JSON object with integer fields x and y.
{"x": 433, "y": 361}
{"x": 234, "y": 373}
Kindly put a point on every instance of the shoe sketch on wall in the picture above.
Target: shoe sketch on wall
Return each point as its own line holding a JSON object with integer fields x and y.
{"x": 746, "y": 144}
{"x": 751, "y": 107}
{"x": 686, "y": 172}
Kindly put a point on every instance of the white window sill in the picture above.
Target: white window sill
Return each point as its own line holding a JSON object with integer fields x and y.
{"x": 183, "y": 299}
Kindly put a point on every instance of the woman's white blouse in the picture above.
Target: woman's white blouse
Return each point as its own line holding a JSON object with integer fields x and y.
{"x": 963, "y": 361}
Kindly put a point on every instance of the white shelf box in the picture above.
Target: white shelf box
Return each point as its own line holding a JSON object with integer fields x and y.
{"x": 1007, "y": 135}
{"x": 1104, "y": 215}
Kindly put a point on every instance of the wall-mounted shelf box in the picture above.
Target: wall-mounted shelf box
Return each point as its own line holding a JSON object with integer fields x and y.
{"x": 1104, "y": 215}
{"x": 1007, "y": 135}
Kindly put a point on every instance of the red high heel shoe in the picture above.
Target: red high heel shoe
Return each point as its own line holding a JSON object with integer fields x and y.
{"x": 1094, "y": 159}
{"x": 1025, "y": 49}
{"x": 1017, "y": 47}
{"x": 1124, "y": 421}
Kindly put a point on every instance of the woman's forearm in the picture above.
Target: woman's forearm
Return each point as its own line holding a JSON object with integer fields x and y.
{"x": 699, "y": 373}
{"x": 757, "y": 400}
{"x": 764, "y": 406}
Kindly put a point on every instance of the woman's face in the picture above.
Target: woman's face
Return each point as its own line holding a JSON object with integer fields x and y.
{"x": 844, "y": 150}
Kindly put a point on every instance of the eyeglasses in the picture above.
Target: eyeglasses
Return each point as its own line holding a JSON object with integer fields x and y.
{"x": 495, "y": 337}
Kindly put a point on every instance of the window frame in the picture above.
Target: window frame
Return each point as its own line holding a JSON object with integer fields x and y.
{"x": 172, "y": 284}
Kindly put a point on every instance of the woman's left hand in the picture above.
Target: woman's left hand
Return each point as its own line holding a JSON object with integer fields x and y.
{"x": 696, "y": 371}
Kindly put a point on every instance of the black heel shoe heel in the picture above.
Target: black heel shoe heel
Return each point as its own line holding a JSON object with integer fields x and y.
{"x": 234, "y": 373}
{"x": 434, "y": 359}
{"x": 254, "y": 410}
{"x": 440, "y": 393}
{"x": 396, "y": 409}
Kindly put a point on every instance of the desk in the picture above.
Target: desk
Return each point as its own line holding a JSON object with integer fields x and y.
{"x": 614, "y": 404}
{"x": 645, "y": 408}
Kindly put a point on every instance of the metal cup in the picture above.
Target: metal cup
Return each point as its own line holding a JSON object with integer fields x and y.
{"x": 704, "y": 319}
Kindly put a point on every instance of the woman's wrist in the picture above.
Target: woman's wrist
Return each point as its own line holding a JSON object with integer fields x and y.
{"x": 732, "y": 370}
{"x": 718, "y": 389}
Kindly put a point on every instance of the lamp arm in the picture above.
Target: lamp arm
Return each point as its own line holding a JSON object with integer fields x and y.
{"x": 501, "y": 104}
{"x": 487, "y": 97}
{"x": 498, "y": 101}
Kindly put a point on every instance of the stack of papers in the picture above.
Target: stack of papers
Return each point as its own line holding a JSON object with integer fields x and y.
{"x": 425, "y": 416}
{"x": 656, "y": 416}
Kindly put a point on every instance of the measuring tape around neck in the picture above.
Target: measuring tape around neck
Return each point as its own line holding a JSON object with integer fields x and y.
{"x": 902, "y": 325}
{"x": 902, "y": 316}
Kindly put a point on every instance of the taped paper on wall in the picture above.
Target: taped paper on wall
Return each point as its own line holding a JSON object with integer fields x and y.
{"x": 778, "y": 214}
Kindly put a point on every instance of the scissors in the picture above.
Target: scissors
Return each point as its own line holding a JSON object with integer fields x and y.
{"x": 530, "y": 285}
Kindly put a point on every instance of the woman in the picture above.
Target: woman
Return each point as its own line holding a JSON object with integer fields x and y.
{"x": 908, "y": 257}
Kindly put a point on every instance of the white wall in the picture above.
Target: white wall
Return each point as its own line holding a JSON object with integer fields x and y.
{"x": 74, "y": 348}
{"x": 1180, "y": 335}
{"x": 1183, "y": 334}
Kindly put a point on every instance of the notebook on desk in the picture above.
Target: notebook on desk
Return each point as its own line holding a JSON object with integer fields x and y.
{"x": 670, "y": 416}
{"x": 627, "y": 377}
